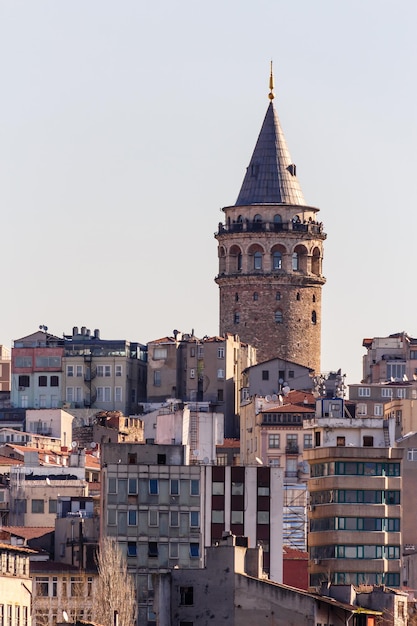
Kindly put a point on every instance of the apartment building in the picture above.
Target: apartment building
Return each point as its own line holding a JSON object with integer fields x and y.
{"x": 200, "y": 370}
{"x": 15, "y": 585}
{"x": 163, "y": 512}
{"x": 78, "y": 371}
{"x": 272, "y": 377}
{"x": 5, "y": 368}
{"x": 355, "y": 489}
{"x": 392, "y": 358}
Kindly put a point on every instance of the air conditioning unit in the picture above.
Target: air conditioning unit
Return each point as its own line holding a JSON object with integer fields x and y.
{"x": 312, "y": 507}
{"x": 316, "y": 561}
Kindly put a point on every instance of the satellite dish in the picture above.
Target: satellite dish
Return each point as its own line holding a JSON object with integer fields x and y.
{"x": 93, "y": 445}
{"x": 258, "y": 460}
{"x": 74, "y": 444}
{"x": 65, "y": 616}
{"x": 206, "y": 460}
{"x": 274, "y": 397}
{"x": 286, "y": 390}
{"x": 48, "y": 482}
{"x": 196, "y": 452}
{"x": 280, "y": 380}
{"x": 268, "y": 398}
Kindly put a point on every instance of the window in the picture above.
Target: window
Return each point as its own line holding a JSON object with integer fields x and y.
{"x": 111, "y": 517}
{"x": 42, "y": 381}
{"x": 314, "y": 317}
{"x": 239, "y": 261}
{"x": 153, "y": 517}
{"x": 24, "y": 380}
{"x": 218, "y": 489}
{"x": 236, "y": 318}
{"x": 378, "y": 410}
{"x": 70, "y": 394}
{"x": 273, "y": 441}
{"x": 152, "y": 549}
{"x": 291, "y": 373}
{"x": 157, "y": 378}
{"x": 23, "y": 361}
{"x": 186, "y": 596}
{"x": 361, "y": 408}
{"x": 38, "y": 506}
{"x": 132, "y": 518}
{"x": 386, "y": 392}
{"x": 132, "y": 548}
{"x": 401, "y": 393}
{"x": 174, "y": 488}
{"x": 133, "y": 486}
{"x": 42, "y": 585}
{"x": 412, "y": 454}
{"x": 173, "y": 550}
{"x": 104, "y": 394}
{"x": 9, "y": 614}
{"x": 220, "y": 373}
{"x": 294, "y": 260}
{"x": 236, "y": 297}
{"x": 237, "y": 488}
{"x": 153, "y": 486}
{"x": 278, "y": 317}
{"x": 54, "y": 381}
{"x": 174, "y": 519}
{"x": 160, "y": 353}
{"x": 217, "y": 517}
{"x": 257, "y": 261}
{"x": 70, "y": 370}
{"x": 220, "y": 395}
{"x": 220, "y": 353}
{"x": 278, "y": 295}
{"x": 396, "y": 371}
{"x": 112, "y": 485}
{"x": 195, "y": 487}
{"x": 255, "y": 296}
{"x": 364, "y": 392}
{"x": 118, "y": 370}
{"x": 192, "y": 372}
{"x": 263, "y": 517}
{"x": 277, "y": 261}
{"x": 194, "y": 550}
{"x": 368, "y": 441}
{"x": 194, "y": 519}
{"x": 52, "y": 506}
{"x": 265, "y": 375}
{"x": 236, "y": 517}
{"x": 17, "y": 615}
{"x": 340, "y": 441}
{"x": 118, "y": 394}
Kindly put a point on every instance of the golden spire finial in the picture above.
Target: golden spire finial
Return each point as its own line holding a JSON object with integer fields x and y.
{"x": 271, "y": 94}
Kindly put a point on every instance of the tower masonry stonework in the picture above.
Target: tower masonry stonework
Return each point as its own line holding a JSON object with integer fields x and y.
{"x": 270, "y": 250}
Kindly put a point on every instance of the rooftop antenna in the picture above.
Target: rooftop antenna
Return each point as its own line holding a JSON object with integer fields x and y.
{"x": 271, "y": 94}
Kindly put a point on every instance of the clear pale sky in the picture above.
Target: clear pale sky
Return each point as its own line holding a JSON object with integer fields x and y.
{"x": 125, "y": 126}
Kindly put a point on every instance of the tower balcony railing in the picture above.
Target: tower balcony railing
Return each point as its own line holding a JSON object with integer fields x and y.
{"x": 314, "y": 228}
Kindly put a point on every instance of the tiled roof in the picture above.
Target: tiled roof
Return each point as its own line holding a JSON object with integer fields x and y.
{"x": 29, "y": 532}
{"x": 299, "y": 397}
{"x": 229, "y": 443}
{"x": 289, "y": 408}
{"x": 294, "y": 554}
{"x": 51, "y": 566}
{"x": 7, "y": 546}
{"x": 270, "y": 177}
{"x": 6, "y": 460}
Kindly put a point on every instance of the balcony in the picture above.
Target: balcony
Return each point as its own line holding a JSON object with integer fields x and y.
{"x": 247, "y": 226}
{"x": 292, "y": 448}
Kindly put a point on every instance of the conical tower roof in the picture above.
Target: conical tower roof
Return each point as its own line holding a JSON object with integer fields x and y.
{"x": 271, "y": 175}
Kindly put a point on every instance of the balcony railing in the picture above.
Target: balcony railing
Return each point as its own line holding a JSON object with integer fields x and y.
{"x": 315, "y": 228}
{"x": 292, "y": 449}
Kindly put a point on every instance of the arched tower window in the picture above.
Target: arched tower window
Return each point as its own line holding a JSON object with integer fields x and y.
{"x": 222, "y": 260}
{"x": 301, "y": 252}
{"x": 316, "y": 262}
{"x": 255, "y": 295}
{"x": 257, "y": 261}
{"x": 257, "y": 219}
{"x": 279, "y": 318}
{"x": 236, "y": 317}
{"x": 236, "y": 297}
{"x": 256, "y": 252}
{"x": 277, "y": 260}
{"x": 277, "y": 222}
{"x": 278, "y": 295}
{"x": 298, "y": 296}
{"x": 314, "y": 317}
{"x": 235, "y": 259}
{"x": 314, "y": 298}
{"x": 295, "y": 261}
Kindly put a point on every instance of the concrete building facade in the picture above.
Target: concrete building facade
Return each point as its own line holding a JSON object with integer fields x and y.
{"x": 270, "y": 251}
{"x": 15, "y": 585}
{"x": 355, "y": 493}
